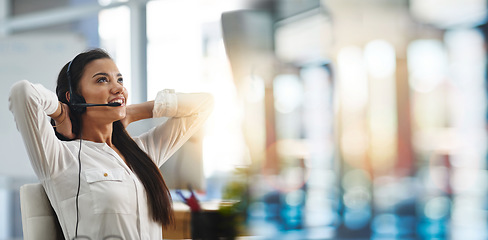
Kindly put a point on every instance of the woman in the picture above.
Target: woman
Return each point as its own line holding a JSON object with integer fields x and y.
{"x": 102, "y": 182}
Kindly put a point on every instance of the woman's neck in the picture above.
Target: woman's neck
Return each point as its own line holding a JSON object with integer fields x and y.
{"x": 101, "y": 133}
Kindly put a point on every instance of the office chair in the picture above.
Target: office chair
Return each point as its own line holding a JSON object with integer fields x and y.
{"x": 39, "y": 222}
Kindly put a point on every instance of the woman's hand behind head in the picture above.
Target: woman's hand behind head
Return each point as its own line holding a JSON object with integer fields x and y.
{"x": 63, "y": 122}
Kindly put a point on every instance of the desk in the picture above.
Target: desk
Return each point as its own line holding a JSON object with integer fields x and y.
{"x": 182, "y": 229}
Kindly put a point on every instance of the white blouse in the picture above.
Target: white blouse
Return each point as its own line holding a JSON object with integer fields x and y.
{"x": 112, "y": 199}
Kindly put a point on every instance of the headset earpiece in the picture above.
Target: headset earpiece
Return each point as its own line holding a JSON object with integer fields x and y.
{"x": 76, "y": 101}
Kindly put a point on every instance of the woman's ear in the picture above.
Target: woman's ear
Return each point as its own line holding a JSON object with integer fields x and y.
{"x": 67, "y": 96}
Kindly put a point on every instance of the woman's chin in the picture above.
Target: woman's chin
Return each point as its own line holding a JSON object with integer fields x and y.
{"x": 121, "y": 116}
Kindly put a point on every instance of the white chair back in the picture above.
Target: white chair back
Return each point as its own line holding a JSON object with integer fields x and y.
{"x": 39, "y": 222}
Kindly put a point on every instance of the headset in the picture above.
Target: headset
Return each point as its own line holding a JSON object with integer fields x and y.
{"x": 77, "y": 103}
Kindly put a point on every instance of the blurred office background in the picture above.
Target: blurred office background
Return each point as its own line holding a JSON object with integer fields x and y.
{"x": 334, "y": 119}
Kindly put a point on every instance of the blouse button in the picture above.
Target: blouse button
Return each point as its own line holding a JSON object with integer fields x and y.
{"x": 105, "y": 174}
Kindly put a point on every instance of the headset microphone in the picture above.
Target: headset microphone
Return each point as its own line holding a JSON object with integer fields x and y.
{"x": 115, "y": 104}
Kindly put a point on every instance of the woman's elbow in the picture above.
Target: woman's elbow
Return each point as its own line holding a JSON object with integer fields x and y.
{"x": 19, "y": 87}
{"x": 210, "y": 100}
{"x": 18, "y": 93}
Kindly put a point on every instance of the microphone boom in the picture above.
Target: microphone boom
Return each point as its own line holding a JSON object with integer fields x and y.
{"x": 114, "y": 104}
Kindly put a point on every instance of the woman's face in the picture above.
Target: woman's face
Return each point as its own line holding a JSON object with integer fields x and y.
{"x": 103, "y": 83}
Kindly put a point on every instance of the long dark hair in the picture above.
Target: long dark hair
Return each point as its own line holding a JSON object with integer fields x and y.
{"x": 158, "y": 195}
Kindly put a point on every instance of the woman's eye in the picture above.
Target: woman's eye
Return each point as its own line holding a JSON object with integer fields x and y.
{"x": 120, "y": 80}
{"x": 101, "y": 80}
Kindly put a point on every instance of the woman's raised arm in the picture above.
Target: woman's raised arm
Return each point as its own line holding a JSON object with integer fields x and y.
{"x": 187, "y": 112}
{"x": 31, "y": 104}
{"x": 136, "y": 112}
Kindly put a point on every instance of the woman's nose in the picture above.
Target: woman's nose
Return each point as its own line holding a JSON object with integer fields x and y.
{"x": 117, "y": 88}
